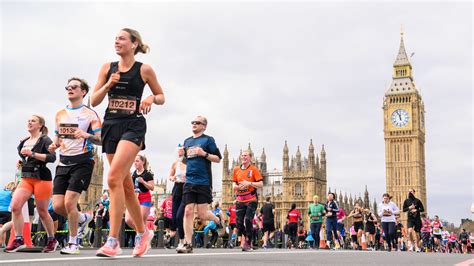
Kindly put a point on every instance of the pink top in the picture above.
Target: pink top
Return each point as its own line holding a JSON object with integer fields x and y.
{"x": 426, "y": 226}
{"x": 353, "y": 231}
{"x": 167, "y": 206}
{"x": 340, "y": 213}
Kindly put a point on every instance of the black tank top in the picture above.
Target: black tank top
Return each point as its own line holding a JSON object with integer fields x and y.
{"x": 125, "y": 96}
{"x": 369, "y": 216}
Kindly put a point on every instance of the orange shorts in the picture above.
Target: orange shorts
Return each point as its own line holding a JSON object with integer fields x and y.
{"x": 40, "y": 188}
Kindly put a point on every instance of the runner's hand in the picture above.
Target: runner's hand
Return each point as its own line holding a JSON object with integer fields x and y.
{"x": 181, "y": 151}
{"x": 114, "y": 79}
{"x": 145, "y": 106}
{"x": 245, "y": 183}
{"x": 80, "y": 134}
{"x": 26, "y": 153}
{"x": 53, "y": 147}
{"x": 241, "y": 186}
{"x": 200, "y": 151}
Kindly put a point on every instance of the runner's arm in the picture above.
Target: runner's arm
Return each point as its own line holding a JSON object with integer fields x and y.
{"x": 149, "y": 77}
{"x": 149, "y": 184}
{"x": 258, "y": 184}
{"x": 95, "y": 138}
{"x": 395, "y": 209}
{"x": 421, "y": 208}
{"x": 172, "y": 172}
{"x": 102, "y": 86}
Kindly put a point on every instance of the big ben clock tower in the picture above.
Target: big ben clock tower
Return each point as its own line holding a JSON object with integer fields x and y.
{"x": 404, "y": 134}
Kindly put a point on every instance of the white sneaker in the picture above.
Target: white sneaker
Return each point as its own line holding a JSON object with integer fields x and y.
{"x": 81, "y": 230}
{"x": 70, "y": 249}
{"x": 180, "y": 246}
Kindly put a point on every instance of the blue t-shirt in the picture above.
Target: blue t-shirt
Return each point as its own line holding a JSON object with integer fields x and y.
{"x": 5, "y": 200}
{"x": 198, "y": 169}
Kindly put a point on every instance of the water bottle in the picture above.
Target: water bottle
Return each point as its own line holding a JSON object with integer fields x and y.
{"x": 178, "y": 173}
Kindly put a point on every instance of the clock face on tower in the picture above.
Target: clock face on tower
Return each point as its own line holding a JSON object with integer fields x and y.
{"x": 400, "y": 118}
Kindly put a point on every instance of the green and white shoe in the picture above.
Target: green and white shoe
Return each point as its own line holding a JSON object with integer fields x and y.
{"x": 70, "y": 249}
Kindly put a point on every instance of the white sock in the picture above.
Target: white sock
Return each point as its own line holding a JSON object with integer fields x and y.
{"x": 73, "y": 240}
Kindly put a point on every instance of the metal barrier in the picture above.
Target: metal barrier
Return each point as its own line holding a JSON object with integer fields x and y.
{"x": 100, "y": 233}
{"x": 160, "y": 243}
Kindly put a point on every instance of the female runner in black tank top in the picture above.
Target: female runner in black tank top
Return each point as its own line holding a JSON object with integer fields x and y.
{"x": 123, "y": 132}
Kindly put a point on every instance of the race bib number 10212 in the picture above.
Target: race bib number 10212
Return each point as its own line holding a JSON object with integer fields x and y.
{"x": 122, "y": 104}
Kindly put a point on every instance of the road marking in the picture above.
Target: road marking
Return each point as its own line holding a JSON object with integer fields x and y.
{"x": 465, "y": 263}
{"x": 70, "y": 258}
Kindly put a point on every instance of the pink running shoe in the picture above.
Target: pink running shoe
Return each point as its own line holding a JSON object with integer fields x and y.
{"x": 51, "y": 246}
{"x": 111, "y": 248}
{"x": 142, "y": 243}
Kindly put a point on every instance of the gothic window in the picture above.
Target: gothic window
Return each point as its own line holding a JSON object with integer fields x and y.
{"x": 408, "y": 152}
{"x": 398, "y": 152}
{"x": 298, "y": 189}
{"x": 395, "y": 152}
{"x": 405, "y": 152}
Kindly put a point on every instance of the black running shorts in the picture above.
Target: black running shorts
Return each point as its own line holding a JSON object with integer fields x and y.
{"x": 414, "y": 223}
{"x": 268, "y": 227}
{"x": 5, "y": 217}
{"x": 358, "y": 225}
{"x": 74, "y": 178}
{"x": 370, "y": 228}
{"x": 115, "y": 130}
{"x": 198, "y": 194}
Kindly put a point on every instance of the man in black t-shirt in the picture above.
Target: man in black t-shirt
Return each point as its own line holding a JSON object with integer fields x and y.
{"x": 268, "y": 213}
{"x": 413, "y": 207}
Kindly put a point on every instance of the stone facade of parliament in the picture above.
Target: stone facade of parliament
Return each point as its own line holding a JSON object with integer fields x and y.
{"x": 300, "y": 180}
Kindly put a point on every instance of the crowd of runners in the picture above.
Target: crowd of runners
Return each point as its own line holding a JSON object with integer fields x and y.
{"x": 185, "y": 214}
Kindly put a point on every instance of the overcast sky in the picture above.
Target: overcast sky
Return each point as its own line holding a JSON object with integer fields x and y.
{"x": 262, "y": 73}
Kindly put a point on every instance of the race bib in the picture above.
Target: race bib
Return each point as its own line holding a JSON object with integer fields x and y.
{"x": 66, "y": 131}
{"x": 122, "y": 104}
{"x": 437, "y": 231}
{"x": 192, "y": 152}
